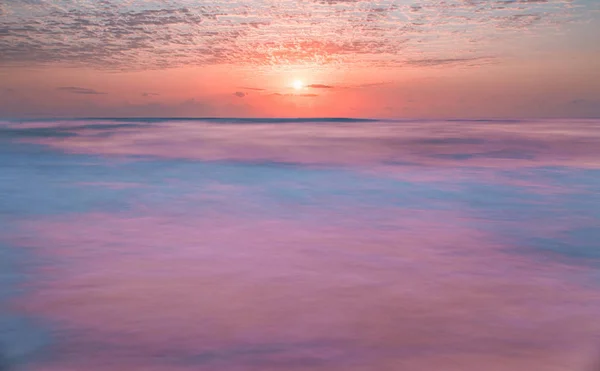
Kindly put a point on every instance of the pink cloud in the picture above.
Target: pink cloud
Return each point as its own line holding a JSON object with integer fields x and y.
{"x": 316, "y": 32}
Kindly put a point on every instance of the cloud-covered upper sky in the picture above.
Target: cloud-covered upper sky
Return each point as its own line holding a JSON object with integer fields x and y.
{"x": 266, "y": 37}
{"x": 159, "y": 34}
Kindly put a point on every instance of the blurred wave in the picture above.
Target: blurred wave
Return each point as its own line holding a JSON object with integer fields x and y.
{"x": 351, "y": 142}
{"x": 171, "y": 244}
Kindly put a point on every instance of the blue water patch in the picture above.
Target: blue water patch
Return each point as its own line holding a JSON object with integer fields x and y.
{"x": 21, "y": 338}
{"x": 38, "y": 181}
{"x": 573, "y": 197}
{"x": 9, "y": 276}
{"x": 578, "y": 243}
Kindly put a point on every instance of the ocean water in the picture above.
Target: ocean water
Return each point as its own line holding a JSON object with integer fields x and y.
{"x": 299, "y": 244}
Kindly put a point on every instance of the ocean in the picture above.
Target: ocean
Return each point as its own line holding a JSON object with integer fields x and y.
{"x": 299, "y": 244}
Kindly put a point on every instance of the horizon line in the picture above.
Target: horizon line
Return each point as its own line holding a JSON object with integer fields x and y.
{"x": 297, "y": 119}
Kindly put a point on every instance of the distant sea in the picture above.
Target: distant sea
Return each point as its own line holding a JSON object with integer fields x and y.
{"x": 299, "y": 244}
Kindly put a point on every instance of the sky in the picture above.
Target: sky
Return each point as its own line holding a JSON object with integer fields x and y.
{"x": 300, "y": 58}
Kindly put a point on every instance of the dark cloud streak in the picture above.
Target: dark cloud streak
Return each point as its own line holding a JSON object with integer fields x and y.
{"x": 249, "y": 88}
{"x": 320, "y": 86}
{"x": 79, "y": 90}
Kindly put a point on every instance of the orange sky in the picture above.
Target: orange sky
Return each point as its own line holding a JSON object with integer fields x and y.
{"x": 240, "y": 58}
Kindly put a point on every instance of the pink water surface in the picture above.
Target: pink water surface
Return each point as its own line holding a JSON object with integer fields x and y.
{"x": 219, "y": 292}
{"x": 229, "y": 272}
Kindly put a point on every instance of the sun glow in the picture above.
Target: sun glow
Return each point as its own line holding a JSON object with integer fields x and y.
{"x": 298, "y": 84}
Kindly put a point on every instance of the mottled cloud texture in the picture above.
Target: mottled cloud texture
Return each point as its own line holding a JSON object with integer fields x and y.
{"x": 156, "y": 34}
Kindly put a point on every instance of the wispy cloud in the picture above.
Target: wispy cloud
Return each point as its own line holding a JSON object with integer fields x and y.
{"x": 149, "y": 94}
{"x": 447, "y": 61}
{"x": 371, "y": 84}
{"x": 250, "y": 88}
{"x": 320, "y": 86}
{"x": 305, "y": 95}
{"x": 79, "y": 90}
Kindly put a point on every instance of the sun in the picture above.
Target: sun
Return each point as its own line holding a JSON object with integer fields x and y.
{"x": 298, "y": 84}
